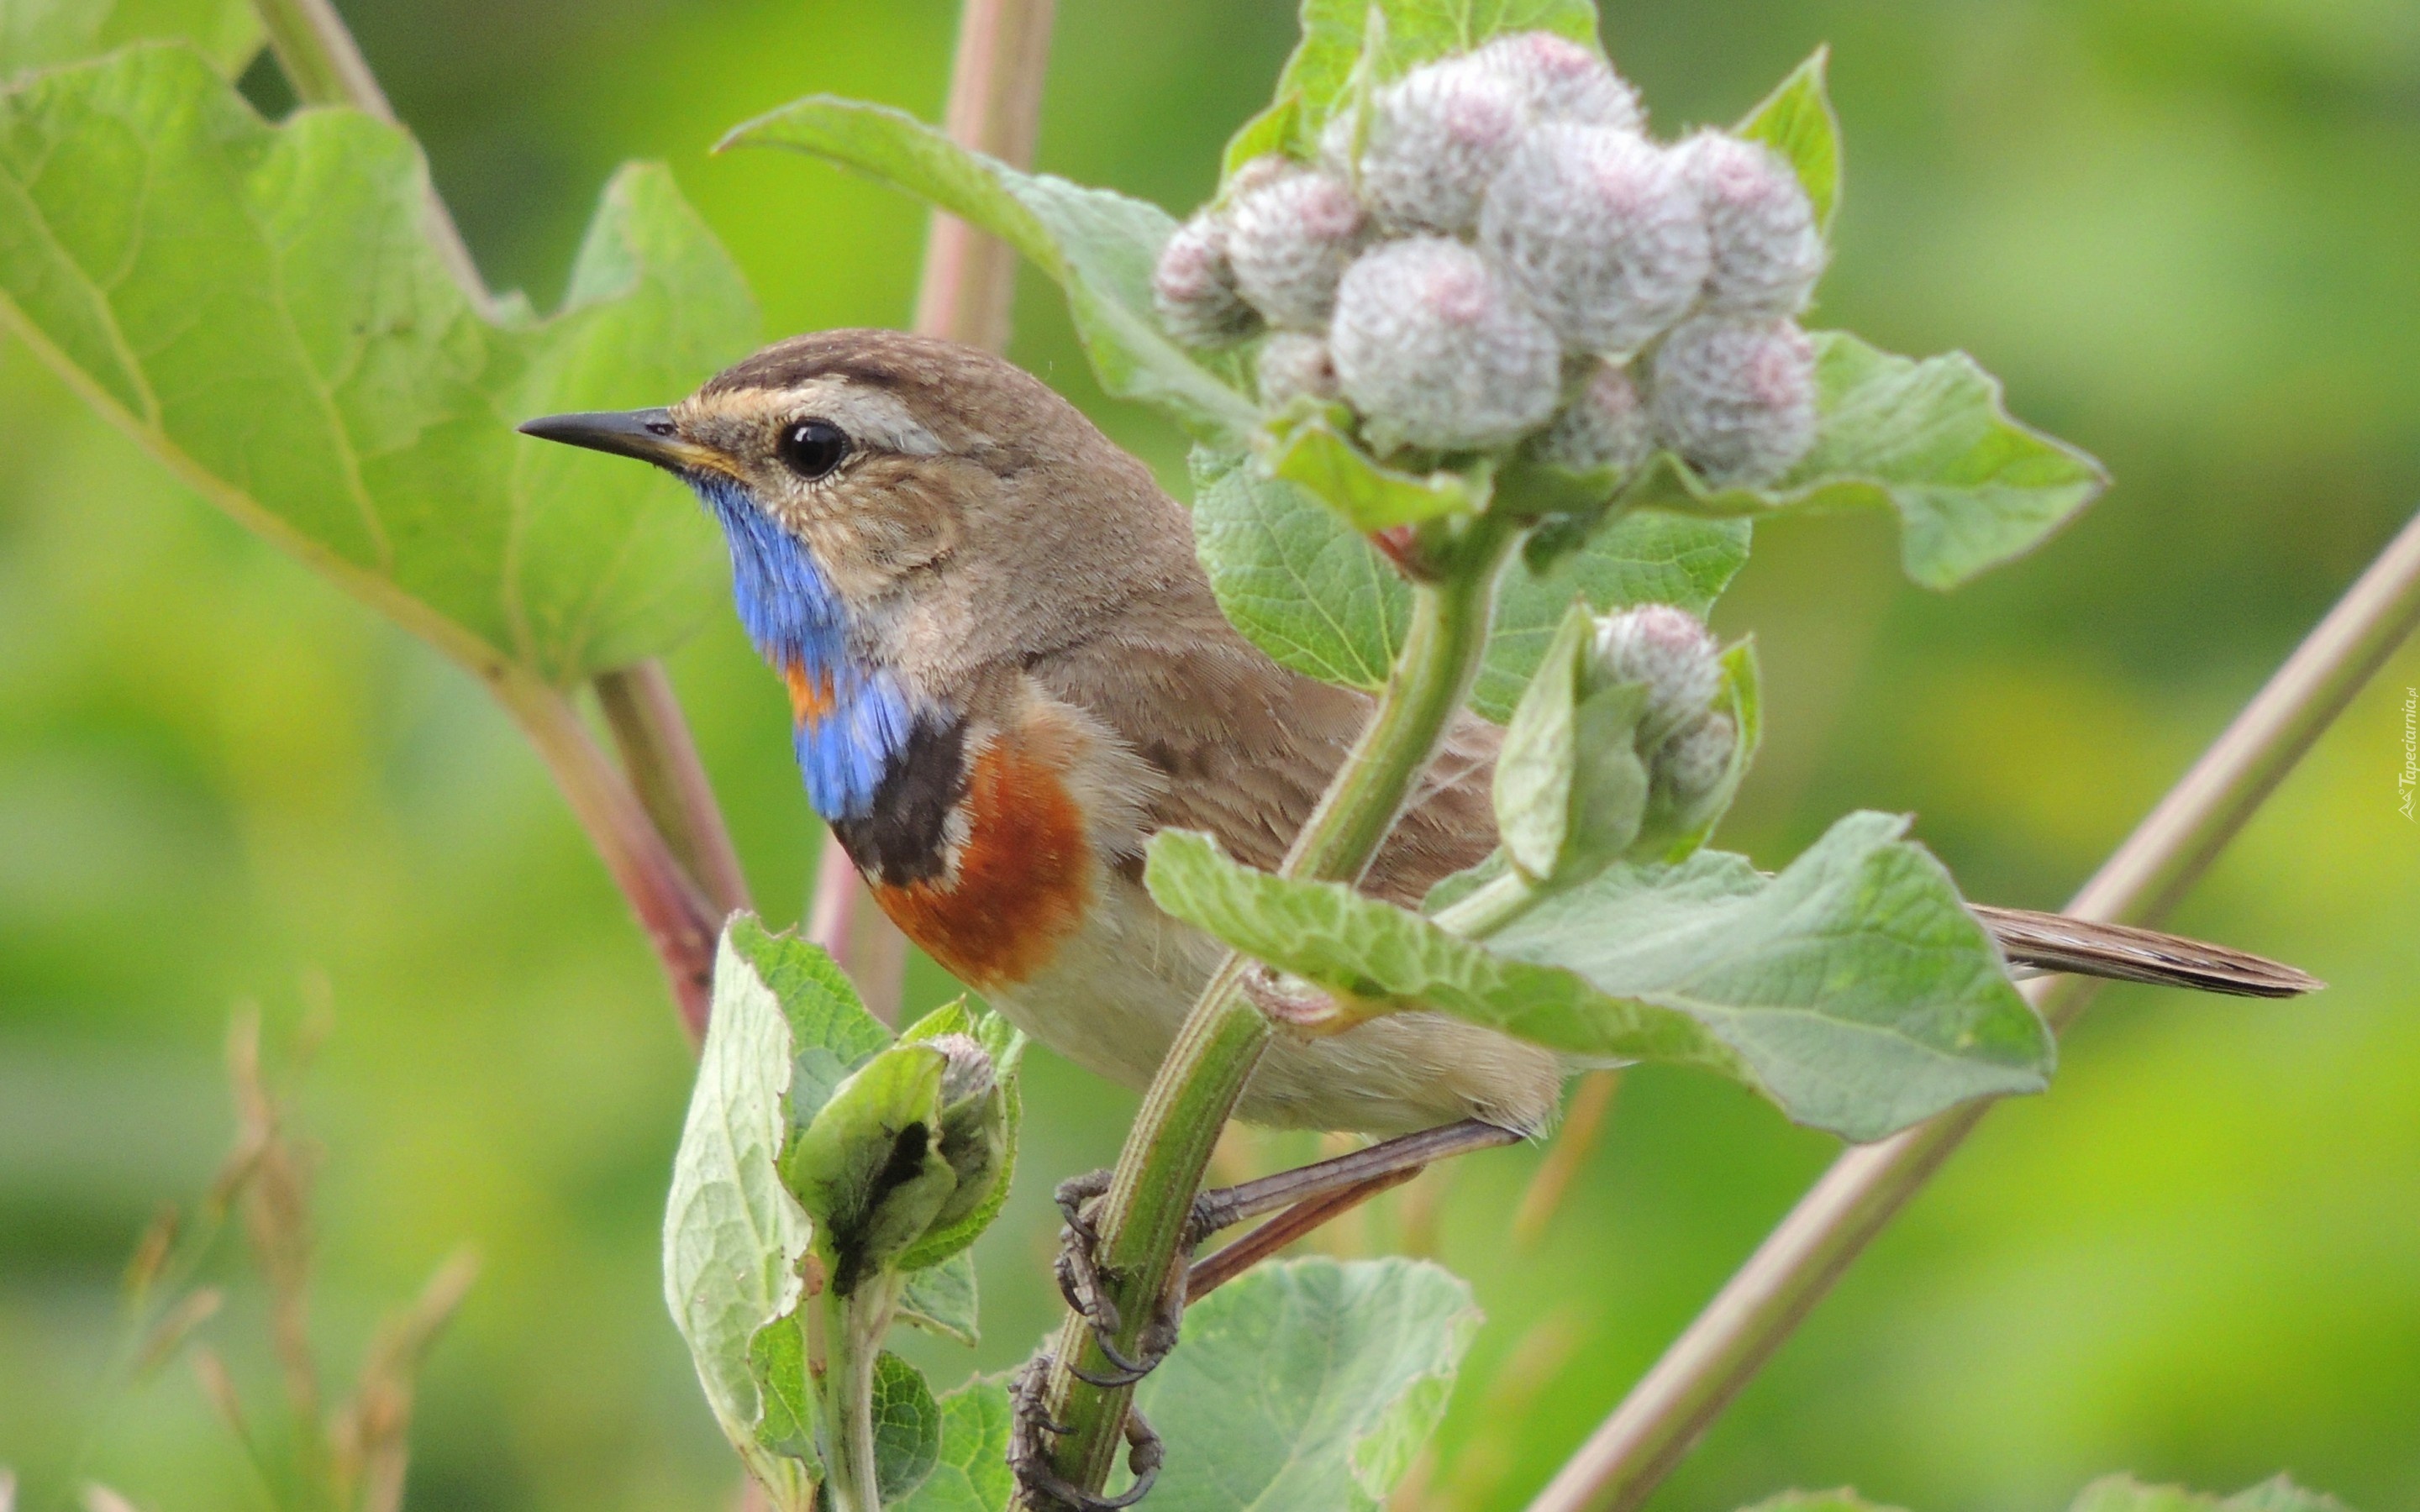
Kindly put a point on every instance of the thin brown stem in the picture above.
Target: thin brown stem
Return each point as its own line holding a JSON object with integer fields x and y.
{"x": 967, "y": 294}
{"x": 1723, "y": 1349}
{"x": 655, "y": 747}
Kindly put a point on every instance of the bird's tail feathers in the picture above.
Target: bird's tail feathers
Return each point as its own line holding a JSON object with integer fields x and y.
{"x": 2053, "y": 942}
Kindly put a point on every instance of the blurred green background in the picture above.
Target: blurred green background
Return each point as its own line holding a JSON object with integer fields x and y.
{"x": 2187, "y": 234}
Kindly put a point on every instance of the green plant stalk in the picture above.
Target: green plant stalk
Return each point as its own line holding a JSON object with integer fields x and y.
{"x": 854, "y": 1329}
{"x": 1160, "y": 1171}
{"x": 1653, "y": 1427}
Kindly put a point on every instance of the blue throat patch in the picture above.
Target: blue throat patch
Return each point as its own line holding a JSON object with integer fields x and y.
{"x": 800, "y": 626}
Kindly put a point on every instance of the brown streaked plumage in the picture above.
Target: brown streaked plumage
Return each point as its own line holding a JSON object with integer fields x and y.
{"x": 1003, "y": 610}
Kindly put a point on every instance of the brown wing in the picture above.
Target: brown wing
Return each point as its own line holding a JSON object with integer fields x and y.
{"x": 2053, "y": 942}
{"x": 1245, "y": 748}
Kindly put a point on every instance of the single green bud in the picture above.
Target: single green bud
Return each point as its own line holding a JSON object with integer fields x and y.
{"x": 870, "y": 1170}
{"x": 1571, "y": 788}
{"x": 973, "y": 1126}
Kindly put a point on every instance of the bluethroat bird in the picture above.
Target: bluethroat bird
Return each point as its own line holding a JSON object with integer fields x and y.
{"x": 1007, "y": 671}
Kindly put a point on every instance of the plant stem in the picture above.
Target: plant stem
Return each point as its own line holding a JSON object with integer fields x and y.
{"x": 645, "y": 716}
{"x": 854, "y": 1327}
{"x": 1143, "y": 1217}
{"x": 967, "y": 294}
{"x": 1719, "y": 1353}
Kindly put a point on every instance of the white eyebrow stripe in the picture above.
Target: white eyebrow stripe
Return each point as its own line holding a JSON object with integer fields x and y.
{"x": 872, "y": 417}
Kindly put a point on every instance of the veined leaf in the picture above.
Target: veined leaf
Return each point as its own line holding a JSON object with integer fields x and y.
{"x": 1099, "y": 247}
{"x": 1313, "y": 595}
{"x": 262, "y": 309}
{"x": 972, "y": 1473}
{"x": 1306, "y": 1385}
{"x": 44, "y": 34}
{"x": 2124, "y": 1493}
{"x": 732, "y": 1235}
{"x": 1368, "y": 495}
{"x": 1853, "y": 989}
{"x": 1932, "y": 440}
{"x": 1412, "y": 32}
{"x": 906, "y": 1427}
{"x": 941, "y": 1299}
{"x": 1798, "y": 121}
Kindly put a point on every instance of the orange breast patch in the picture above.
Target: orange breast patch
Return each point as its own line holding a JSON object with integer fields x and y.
{"x": 1023, "y": 877}
{"x": 811, "y": 694}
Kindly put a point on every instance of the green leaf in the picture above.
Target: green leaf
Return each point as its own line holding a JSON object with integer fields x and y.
{"x": 867, "y": 1169}
{"x": 972, "y": 1474}
{"x": 733, "y": 1237}
{"x": 1099, "y": 247}
{"x": 2124, "y": 1493}
{"x": 777, "y": 1360}
{"x": 1006, "y": 1044}
{"x": 1411, "y": 32}
{"x": 831, "y": 1032}
{"x": 906, "y": 1427}
{"x": 1798, "y": 121}
{"x": 1304, "y": 587}
{"x": 1669, "y": 836}
{"x": 1306, "y": 1385}
{"x": 941, "y": 1299}
{"x": 1932, "y": 440}
{"x": 1570, "y": 788}
{"x": 44, "y": 34}
{"x": 1368, "y": 495}
{"x": 262, "y": 309}
{"x": 1853, "y": 989}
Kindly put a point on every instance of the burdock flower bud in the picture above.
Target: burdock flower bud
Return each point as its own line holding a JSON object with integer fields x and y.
{"x": 1737, "y": 399}
{"x": 1193, "y": 287}
{"x": 1291, "y": 365}
{"x": 1289, "y": 236}
{"x": 1692, "y": 764}
{"x": 1436, "y": 138}
{"x": 1559, "y": 80}
{"x": 1766, "y": 250}
{"x": 1668, "y": 649}
{"x": 1435, "y": 351}
{"x": 1600, "y": 231}
{"x": 1605, "y": 425}
{"x": 972, "y": 1129}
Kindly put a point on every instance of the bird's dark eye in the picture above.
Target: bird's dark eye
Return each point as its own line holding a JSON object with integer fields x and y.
{"x": 812, "y": 448}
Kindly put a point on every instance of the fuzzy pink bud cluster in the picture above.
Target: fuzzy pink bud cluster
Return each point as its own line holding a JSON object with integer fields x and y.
{"x": 1490, "y": 250}
{"x": 1688, "y": 744}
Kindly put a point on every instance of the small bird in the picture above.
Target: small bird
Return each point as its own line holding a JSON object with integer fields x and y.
{"x": 1007, "y": 672}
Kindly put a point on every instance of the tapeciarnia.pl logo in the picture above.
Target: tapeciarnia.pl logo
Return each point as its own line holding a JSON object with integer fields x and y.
{"x": 2408, "y": 781}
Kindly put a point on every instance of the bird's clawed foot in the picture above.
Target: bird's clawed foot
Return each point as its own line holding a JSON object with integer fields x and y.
{"x": 1080, "y": 1283}
{"x": 1028, "y": 1453}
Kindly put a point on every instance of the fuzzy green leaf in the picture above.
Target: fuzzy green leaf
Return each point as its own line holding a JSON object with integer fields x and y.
{"x": 1931, "y": 439}
{"x": 732, "y": 1235}
{"x": 261, "y": 308}
{"x": 948, "y": 1240}
{"x": 941, "y": 1299}
{"x": 1306, "y": 1385}
{"x": 867, "y": 1170}
{"x": 777, "y": 1361}
{"x": 1368, "y": 495}
{"x": 906, "y": 1428}
{"x": 1798, "y": 121}
{"x": 44, "y": 34}
{"x": 1099, "y": 247}
{"x": 1409, "y": 33}
{"x": 1853, "y": 989}
{"x": 2124, "y": 1493}
{"x": 1317, "y": 597}
{"x": 1570, "y": 788}
{"x": 972, "y": 1473}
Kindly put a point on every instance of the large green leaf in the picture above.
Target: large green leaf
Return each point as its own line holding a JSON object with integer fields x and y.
{"x": 1407, "y": 33}
{"x": 908, "y": 1428}
{"x": 733, "y": 1237}
{"x": 1853, "y": 989}
{"x": 1309, "y": 1386}
{"x": 261, "y": 308}
{"x": 942, "y": 1298}
{"x": 2124, "y": 1493}
{"x": 1098, "y": 246}
{"x": 972, "y": 1473}
{"x": 1294, "y": 576}
{"x": 43, "y": 34}
{"x": 1932, "y": 441}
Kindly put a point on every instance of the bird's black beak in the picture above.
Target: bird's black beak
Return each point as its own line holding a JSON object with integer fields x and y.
{"x": 648, "y": 434}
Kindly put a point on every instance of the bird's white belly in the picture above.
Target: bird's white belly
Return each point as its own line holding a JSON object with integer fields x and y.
{"x": 1115, "y": 994}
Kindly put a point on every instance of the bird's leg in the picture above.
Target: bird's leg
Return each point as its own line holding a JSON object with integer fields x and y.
{"x": 1028, "y": 1457}
{"x": 1315, "y": 1194}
